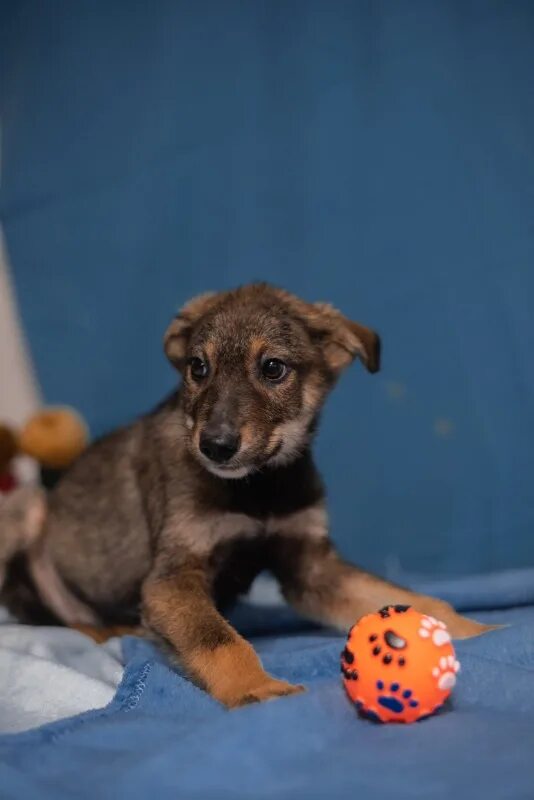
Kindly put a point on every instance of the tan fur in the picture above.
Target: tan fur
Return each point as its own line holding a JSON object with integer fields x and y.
{"x": 103, "y": 634}
{"x": 311, "y": 397}
{"x": 201, "y": 535}
{"x": 291, "y": 435}
{"x": 257, "y": 345}
{"x": 210, "y": 349}
{"x": 310, "y": 523}
{"x": 247, "y": 434}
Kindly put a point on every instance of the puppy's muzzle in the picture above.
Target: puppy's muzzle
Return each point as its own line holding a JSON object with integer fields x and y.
{"x": 219, "y": 444}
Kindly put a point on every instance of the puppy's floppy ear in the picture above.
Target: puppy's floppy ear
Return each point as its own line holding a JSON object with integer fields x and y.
{"x": 341, "y": 339}
{"x": 176, "y": 338}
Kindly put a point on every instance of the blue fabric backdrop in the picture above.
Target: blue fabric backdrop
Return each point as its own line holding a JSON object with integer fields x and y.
{"x": 379, "y": 155}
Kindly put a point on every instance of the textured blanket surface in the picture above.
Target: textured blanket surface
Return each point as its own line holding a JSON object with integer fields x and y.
{"x": 162, "y": 735}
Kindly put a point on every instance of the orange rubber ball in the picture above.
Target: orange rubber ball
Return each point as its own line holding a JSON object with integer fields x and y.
{"x": 398, "y": 665}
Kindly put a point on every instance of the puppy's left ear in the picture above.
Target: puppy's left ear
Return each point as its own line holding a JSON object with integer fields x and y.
{"x": 176, "y": 339}
{"x": 343, "y": 340}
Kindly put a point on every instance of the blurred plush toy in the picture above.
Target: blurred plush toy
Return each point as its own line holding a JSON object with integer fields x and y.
{"x": 399, "y": 665}
{"x": 8, "y": 450}
{"x": 54, "y": 437}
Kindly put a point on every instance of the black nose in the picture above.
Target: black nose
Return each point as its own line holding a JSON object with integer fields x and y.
{"x": 219, "y": 446}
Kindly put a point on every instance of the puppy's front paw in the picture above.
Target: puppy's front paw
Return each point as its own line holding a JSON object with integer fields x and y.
{"x": 268, "y": 690}
{"x": 234, "y": 676}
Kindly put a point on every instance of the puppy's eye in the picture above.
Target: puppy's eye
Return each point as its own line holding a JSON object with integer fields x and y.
{"x": 273, "y": 369}
{"x": 198, "y": 368}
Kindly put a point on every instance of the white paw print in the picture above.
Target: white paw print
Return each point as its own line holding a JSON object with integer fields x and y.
{"x": 446, "y": 672}
{"x": 432, "y": 628}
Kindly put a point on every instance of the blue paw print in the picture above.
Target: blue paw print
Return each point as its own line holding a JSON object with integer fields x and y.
{"x": 395, "y": 702}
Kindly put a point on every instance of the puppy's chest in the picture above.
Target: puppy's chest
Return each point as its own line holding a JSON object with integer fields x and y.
{"x": 223, "y": 536}
{"x": 224, "y": 516}
{"x": 249, "y": 548}
{"x": 220, "y": 530}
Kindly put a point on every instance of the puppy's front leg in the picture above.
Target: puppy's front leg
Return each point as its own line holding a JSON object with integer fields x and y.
{"x": 179, "y": 608}
{"x": 319, "y": 584}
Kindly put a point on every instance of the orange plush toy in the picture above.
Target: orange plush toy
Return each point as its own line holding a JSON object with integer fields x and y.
{"x": 399, "y": 665}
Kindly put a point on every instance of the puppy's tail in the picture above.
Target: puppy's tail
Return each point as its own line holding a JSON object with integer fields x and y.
{"x": 30, "y": 585}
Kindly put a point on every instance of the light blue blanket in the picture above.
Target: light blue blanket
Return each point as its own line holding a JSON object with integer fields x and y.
{"x": 162, "y": 737}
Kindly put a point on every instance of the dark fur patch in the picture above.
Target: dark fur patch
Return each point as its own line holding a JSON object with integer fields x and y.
{"x": 211, "y": 635}
{"x": 234, "y": 566}
{"x": 271, "y": 492}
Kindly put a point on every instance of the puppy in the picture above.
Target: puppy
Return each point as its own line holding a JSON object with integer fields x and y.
{"x": 167, "y": 521}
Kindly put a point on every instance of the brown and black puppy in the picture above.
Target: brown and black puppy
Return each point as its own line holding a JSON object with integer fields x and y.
{"x": 167, "y": 521}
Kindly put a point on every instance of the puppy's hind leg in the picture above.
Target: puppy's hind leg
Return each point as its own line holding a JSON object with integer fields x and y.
{"x": 22, "y": 515}
{"x": 53, "y": 592}
{"x": 22, "y": 530}
{"x": 319, "y": 584}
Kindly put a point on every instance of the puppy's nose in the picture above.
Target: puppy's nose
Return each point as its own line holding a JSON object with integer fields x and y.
{"x": 219, "y": 446}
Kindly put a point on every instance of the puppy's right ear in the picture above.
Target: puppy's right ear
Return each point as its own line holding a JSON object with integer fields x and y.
{"x": 176, "y": 338}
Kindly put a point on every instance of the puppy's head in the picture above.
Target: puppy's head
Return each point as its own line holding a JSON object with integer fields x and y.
{"x": 257, "y": 364}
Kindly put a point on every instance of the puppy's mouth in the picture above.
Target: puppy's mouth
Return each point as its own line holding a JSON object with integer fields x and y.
{"x": 227, "y": 470}
{"x": 253, "y": 457}
{"x": 242, "y": 464}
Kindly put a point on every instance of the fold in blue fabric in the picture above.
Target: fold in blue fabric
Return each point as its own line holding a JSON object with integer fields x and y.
{"x": 503, "y": 589}
{"x": 163, "y": 736}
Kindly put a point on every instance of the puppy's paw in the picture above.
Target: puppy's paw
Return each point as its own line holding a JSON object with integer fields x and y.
{"x": 269, "y": 690}
{"x": 233, "y": 674}
{"x": 458, "y": 626}
{"x": 465, "y": 628}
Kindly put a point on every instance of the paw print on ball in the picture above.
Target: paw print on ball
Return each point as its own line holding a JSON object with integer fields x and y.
{"x": 432, "y": 628}
{"x": 397, "y": 699}
{"x": 446, "y": 672}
